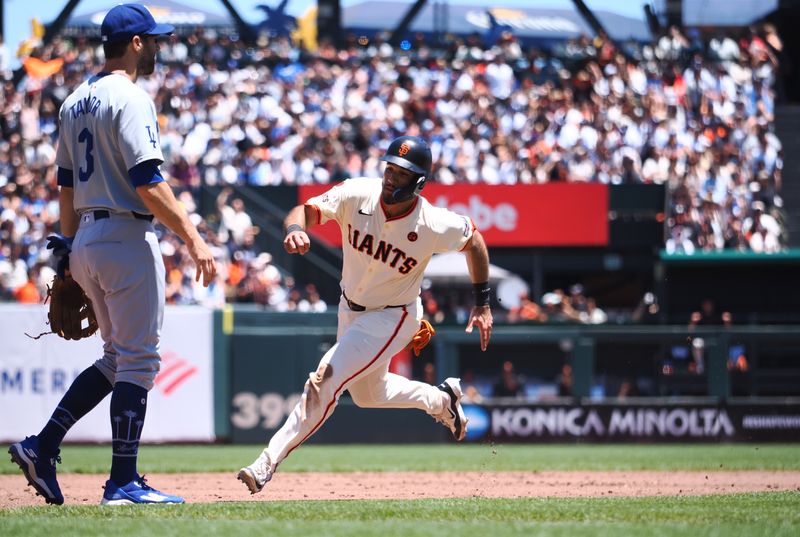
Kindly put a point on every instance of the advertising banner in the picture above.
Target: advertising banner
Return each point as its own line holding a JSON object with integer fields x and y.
{"x": 552, "y": 214}
{"x": 35, "y": 374}
{"x": 673, "y": 422}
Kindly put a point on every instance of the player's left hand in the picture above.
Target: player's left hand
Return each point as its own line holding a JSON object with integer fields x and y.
{"x": 204, "y": 262}
{"x": 482, "y": 316}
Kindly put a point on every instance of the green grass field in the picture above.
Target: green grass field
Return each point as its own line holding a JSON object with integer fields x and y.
{"x": 768, "y": 514}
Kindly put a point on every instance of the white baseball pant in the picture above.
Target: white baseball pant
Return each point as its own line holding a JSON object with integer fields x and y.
{"x": 358, "y": 362}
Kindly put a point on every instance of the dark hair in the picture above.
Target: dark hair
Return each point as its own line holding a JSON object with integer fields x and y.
{"x": 116, "y": 49}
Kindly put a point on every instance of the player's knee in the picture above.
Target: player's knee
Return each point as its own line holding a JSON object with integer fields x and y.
{"x": 366, "y": 396}
{"x": 359, "y": 400}
{"x": 108, "y": 367}
{"x": 143, "y": 382}
{"x": 317, "y": 386}
{"x": 141, "y": 374}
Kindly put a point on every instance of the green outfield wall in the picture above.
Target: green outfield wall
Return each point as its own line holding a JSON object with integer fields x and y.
{"x": 263, "y": 359}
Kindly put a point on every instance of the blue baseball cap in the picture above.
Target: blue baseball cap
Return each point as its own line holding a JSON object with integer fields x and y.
{"x": 124, "y": 21}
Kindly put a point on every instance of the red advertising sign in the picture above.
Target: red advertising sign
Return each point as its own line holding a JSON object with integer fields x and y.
{"x": 552, "y": 214}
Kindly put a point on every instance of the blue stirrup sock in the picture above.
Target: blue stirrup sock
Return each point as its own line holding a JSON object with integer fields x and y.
{"x": 85, "y": 392}
{"x": 128, "y": 407}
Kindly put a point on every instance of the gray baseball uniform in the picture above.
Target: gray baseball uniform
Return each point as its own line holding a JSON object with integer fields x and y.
{"x": 108, "y": 126}
{"x": 108, "y": 156}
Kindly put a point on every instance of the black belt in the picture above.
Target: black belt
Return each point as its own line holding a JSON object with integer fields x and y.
{"x": 358, "y": 307}
{"x": 99, "y": 214}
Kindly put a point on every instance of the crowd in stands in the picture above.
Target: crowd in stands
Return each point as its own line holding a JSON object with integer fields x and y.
{"x": 559, "y": 307}
{"x": 695, "y": 115}
{"x": 453, "y": 304}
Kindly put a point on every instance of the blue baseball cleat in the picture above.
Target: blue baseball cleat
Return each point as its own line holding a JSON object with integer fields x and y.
{"x": 39, "y": 468}
{"x": 137, "y": 491}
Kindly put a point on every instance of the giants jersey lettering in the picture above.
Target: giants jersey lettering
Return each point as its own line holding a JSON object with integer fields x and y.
{"x": 108, "y": 126}
{"x": 385, "y": 257}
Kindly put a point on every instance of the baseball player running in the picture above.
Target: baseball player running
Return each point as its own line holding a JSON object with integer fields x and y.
{"x": 108, "y": 161}
{"x": 389, "y": 233}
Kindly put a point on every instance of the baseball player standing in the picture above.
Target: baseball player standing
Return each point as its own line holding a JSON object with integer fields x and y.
{"x": 389, "y": 233}
{"x": 108, "y": 161}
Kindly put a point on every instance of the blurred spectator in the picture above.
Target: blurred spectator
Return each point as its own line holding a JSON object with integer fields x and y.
{"x": 593, "y": 314}
{"x": 647, "y": 310}
{"x": 431, "y": 307}
{"x": 28, "y": 293}
{"x": 706, "y": 316}
{"x": 763, "y": 230}
{"x": 527, "y": 311}
{"x": 429, "y": 373}
{"x": 313, "y": 303}
{"x": 254, "y": 287}
{"x": 575, "y": 307}
{"x": 472, "y": 394}
{"x": 509, "y": 384}
{"x": 235, "y": 221}
{"x": 555, "y": 309}
{"x": 565, "y": 381}
{"x": 577, "y": 298}
{"x": 673, "y": 45}
{"x": 627, "y": 388}
{"x": 5, "y": 60}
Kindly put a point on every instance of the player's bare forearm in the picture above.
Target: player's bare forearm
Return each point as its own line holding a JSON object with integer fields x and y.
{"x": 477, "y": 258}
{"x": 158, "y": 197}
{"x": 68, "y": 216}
{"x": 160, "y": 200}
{"x": 478, "y": 264}
{"x": 295, "y": 224}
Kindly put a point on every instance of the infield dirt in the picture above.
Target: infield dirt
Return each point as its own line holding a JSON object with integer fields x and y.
{"x": 80, "y": 489}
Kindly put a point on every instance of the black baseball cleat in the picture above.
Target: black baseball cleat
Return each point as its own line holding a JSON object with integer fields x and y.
{"x": 453, "y": 415}
{"x": 39, "y": 468}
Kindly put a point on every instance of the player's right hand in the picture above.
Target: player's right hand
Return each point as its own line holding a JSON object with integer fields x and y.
{"x": 297, "y": 242}
{"x": 204, "y": 261}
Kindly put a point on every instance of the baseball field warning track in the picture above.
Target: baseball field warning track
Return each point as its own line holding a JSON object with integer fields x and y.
{"x": 82, "y": 489}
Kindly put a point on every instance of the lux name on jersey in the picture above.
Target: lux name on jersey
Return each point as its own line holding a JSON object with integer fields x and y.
{"x": 382, "y": 251}
{"x": 87, "y": 105}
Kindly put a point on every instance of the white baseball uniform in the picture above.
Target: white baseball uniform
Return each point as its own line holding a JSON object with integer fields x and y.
{"x": 380, "y": 310}
{"x": 107, "y": 126}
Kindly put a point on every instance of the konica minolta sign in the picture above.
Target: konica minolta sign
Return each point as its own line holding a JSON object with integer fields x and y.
{"x": 627, "y": 422}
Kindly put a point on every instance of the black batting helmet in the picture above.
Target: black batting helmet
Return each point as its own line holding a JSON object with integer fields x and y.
{"x": 411, "y": 153}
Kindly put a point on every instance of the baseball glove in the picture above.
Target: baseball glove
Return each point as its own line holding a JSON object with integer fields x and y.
{"x": 422, "y": 337}
{"x": 69, "y": 306}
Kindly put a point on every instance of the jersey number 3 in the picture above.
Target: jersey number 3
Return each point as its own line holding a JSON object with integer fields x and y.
{"x": 86, "y": 137}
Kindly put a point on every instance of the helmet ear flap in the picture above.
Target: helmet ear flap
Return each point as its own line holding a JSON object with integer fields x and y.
{"x": 420, "y": 183}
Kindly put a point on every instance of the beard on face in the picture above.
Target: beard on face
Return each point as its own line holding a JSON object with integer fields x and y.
{"x": 147, "y": 61}
{"x": 147, "y": 64}
{"x": 389, "y": 198}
